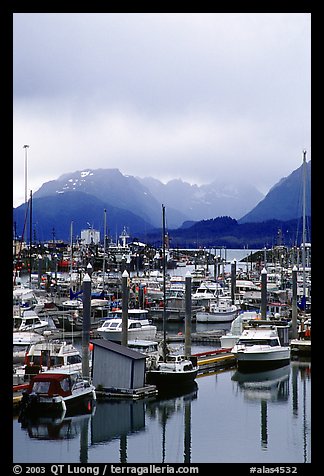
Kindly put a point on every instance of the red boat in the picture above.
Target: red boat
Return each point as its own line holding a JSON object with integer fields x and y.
{"x": 55, "y": 391}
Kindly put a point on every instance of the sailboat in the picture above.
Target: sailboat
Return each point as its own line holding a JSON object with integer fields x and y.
{"x": 170, "y": 370}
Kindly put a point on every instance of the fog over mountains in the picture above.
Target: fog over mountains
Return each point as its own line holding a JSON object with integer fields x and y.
{"x": 135, "y": 202}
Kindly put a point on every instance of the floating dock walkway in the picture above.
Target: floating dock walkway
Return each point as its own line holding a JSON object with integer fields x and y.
{"x": 215, "y": 359}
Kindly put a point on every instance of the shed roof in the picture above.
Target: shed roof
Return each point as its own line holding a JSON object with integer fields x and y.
{"x": 119, "y": 349}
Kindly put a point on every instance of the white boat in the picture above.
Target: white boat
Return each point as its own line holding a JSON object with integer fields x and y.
{"x": 55, "y": 391}
{"x": 138, "y": 326}
{"x": 221, "y": 310}
{"x": 229, "y": 340}
{"x": 21, "y": 343}
{"x": 150, "y": 348}
{"x": 29, "y": 321}
{"x": 45, "y": 355}
{"x": 259, "y": 348}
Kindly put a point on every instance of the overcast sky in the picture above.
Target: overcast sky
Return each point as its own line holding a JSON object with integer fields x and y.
{"x": 196, "y": 96}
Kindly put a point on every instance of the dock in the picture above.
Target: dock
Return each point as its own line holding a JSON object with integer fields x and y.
{"x": 215, "y": 359}
{"x": 300, "y": 347}
{"x": 204, "y": 337}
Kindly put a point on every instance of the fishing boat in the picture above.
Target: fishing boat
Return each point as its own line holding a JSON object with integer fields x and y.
{"x": 229, "y": 339}
{"x": 139, "y": 326}
{"x": 220, "y": 310}
{"x": 46, "y": 355}
{"x": 21, "y": 344}
{"x": 259, "y": 348}
{"x": 29, "y": 321}
{"x": 170, "y": 370}
{"x": 55, "y": 391}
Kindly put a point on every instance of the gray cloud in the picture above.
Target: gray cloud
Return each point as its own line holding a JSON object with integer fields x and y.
{"x": 196, "y": 96}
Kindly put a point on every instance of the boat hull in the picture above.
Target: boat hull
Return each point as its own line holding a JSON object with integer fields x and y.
{"x": 213, "y": 317}
{"x": 169, "y": 379}
{"x": 132, "y": 334}
{"x": 263, "y": 360}
{"x": 36, "y": 405}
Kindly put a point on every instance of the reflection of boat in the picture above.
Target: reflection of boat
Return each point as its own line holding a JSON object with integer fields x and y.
{"x": 267, "y": 385}
{"x": 139, "y": 327}
{"x": 259, "y": 348}
{"x": 57, "y": 390}
{"x": 59, "y": 427}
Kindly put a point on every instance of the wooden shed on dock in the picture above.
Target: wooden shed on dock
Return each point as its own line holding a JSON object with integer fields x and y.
{"x": 116, "y": 367}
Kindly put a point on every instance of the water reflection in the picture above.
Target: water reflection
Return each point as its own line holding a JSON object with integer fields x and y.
{"x": 165, "y": 406}
{"x": 276, "y": 404}
{"x": 267, "y": 386}
{"x": 270, "y": 385}
{"x": 59, "y": 428}
{"x": 273, "y": 387}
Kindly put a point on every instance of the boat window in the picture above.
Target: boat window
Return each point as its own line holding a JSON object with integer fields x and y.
{"x": 114, "y": 324}
{"x": 36, "y": 360}
{"x": 274, "y": 342}
{"x": 65, "y": 384}
{"x": 41, "y": 387}
{"x": 74, "y": 359}
{"x": 249, "y": 342}
{"x": 134, "y": 325}
{"x": 20, "y": 348}
{"x": 17, "y": 322}
{"x": 57, "y": 361}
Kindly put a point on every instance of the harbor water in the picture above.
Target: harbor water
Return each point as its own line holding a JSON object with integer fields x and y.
{"x": 226, "y": 417}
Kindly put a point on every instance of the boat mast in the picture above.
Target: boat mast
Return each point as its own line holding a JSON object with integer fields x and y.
{"x": 30, "y": 236}
{"x": 164, "y": 286}
{"x": 304, "y": 225}
{"x": 104, "y": 251}
{"x": 71, "y": 252}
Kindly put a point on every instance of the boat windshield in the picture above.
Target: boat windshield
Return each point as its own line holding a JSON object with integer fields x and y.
{"x": 20, "y": 347}
{"x": 250, "y": 342}
{"x": 41, "y": 387}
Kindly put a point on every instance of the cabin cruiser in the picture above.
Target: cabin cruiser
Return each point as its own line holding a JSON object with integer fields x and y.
{"x": 229, "y": 339}
{"x": 29, "y": 321}
{"x": 220, "y": 310}
{"x": 55, "y": 391}
{"x": 139, "y": 326}
{"x": 259, "y": 347}
{"x": 21, "y": 343}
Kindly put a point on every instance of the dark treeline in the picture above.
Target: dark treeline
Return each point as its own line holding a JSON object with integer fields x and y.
{"x": 226, "y": 231}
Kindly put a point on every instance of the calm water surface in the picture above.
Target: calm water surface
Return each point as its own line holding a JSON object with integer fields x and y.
{"x": 226, "y": 417}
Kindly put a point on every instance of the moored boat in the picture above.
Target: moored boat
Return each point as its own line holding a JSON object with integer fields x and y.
{"x": 259, "y": 348}
{"x": 57, "y": 390}
{"x": 221, "y": 310}
{"x": 139, "y": 326}
{"x": 21, "y": 344}
{"x": 172, "y": 371}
